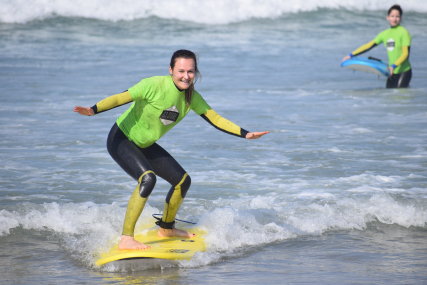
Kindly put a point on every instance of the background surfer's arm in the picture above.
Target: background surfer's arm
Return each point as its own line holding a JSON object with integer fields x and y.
{"x": 364, "y": 48}
{"x": 111, "y": 102}
{"x": 223, "y": 124}
{"x": 403, "y": 57}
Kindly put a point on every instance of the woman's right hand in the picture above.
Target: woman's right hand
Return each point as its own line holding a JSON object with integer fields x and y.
{"x": 85, "y": 111}
{"x": 345, "y": 58}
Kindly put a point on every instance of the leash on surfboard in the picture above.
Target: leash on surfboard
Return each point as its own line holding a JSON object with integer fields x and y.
{"x": 158, "y": 217}
{"x": 374, "y": 58}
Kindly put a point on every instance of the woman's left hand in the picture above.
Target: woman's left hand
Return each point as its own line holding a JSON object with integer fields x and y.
{"x": 255, "y": 135}
{"x": 85, "y": 111}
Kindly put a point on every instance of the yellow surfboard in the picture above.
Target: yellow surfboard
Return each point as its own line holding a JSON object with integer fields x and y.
{"x": 174, "y": 248}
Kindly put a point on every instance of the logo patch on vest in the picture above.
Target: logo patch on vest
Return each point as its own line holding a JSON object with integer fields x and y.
{"x": 169, "y": 116}
{"x": 390, "y": 44}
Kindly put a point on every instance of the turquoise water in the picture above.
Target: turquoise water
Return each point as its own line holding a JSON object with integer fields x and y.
{"x": 336, "y": 194}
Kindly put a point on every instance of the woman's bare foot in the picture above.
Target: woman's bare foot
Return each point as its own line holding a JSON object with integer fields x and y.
{"x": 174, "y": 233}
{"x": 128, "y": 242}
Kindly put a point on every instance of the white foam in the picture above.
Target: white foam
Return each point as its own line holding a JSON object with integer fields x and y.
{"x": 7, "y": 221}
{"x": 231, "y": 229}
{"x": 388, "y": 211}
{"x": 67, "y": 218}
{"x": 369, "y": 189}
{"x": 209, "y": 11}
{"x": 262, "y": 202}
{"x": 315, "y": 195}
{"x": 361, "y": 131}
{"x": 356, "y": 214}
{"x": 367, "y": 178}
{"x": 336, "y": 150}
{"x": 233, "y": 226}
{"x": 85, "y": 228}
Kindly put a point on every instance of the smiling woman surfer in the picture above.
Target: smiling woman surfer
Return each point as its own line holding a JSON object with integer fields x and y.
{"x": 159, "y": 103}
{"x": 397, "y": 41}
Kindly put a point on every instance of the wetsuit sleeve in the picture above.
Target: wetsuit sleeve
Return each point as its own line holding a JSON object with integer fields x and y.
{"x": 223, "y": 124}
{"x": 364, "y": 48}
{"x": 112, "y": 102}
{"x": 199, "y": 105}
{"x": 403, "y": 57}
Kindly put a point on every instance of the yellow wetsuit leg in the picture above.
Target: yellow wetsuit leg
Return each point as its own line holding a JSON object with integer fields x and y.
{"x": 137, "y": 201}
{"x": 173, "y": 201}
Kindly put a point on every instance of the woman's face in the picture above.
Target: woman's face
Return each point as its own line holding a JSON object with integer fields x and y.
{"x": 394, "y": 18}
{"x": 183, "y": 73}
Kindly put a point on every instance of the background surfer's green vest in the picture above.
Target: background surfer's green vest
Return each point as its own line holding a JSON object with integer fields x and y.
{"x": 394, "y": 39}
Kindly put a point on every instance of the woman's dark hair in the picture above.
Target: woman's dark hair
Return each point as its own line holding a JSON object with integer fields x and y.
{"x": 395, "y": 7}
{"x": 183, "y": 53}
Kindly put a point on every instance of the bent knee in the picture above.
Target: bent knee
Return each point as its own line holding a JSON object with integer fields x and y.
{"x": 147, "y": 183}
{"x": 185, "y": 185}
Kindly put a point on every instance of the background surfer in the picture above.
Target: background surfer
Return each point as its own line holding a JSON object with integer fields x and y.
{"x": 397, "y": 41}
{"x": 159, "y": 103}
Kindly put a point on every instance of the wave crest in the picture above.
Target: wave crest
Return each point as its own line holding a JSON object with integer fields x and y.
{"x": 206, "y": 12}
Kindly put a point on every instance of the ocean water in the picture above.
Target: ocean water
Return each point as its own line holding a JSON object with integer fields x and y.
{"x": 335, "y": 194}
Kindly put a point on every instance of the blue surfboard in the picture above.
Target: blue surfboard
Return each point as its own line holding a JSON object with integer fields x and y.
{"x": 370, "y": 64}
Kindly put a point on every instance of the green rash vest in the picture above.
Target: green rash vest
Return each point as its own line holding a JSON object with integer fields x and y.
{"x": 157, "y": 107}
{"x": 394, "y": 39}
